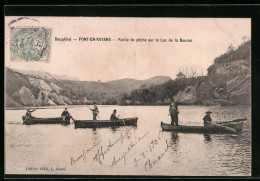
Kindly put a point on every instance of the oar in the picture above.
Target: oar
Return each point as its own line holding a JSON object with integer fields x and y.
{"x": 91, "y": 110}
{"x": 236, "y": 120}
{"x": 69, "y": 122}
{"x": 225, "y": 127}
{"x": 88, "y": 107}
{"x": 72, "y": 118}
{"x": 122, "y": 120}
{"x": 27, "y": 117}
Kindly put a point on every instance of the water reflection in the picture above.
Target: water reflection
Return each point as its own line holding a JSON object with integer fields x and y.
{"x": 95, "y": 137}
{"x": 229, "y": 138}
{"x": 190, "y": 154}
{"x": 113, "y": 129}
{"x": 207, "y": 138}
{"x": 175, "y": 141}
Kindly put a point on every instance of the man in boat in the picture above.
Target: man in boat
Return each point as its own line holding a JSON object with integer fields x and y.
{"x": 207, "y": 119}
{"x": 173, "y": 111}
{"x": 95, "y": 111}
{"x": 28, "y": 114}
{"x": 113, "y": 116}
{"x": 65, "y": 114}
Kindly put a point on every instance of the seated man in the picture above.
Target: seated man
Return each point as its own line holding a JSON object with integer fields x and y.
{"x": 207, "y": 119}
{"x": 113, "y": 116}
{"x": 65, "y": 114}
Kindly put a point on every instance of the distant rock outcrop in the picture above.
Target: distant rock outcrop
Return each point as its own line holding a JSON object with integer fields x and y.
{"x": 9, "y": 102}
{"x": 232, "y": 72}
{"x": 187, "y": 96}
{"x": 24, "y": 96}
{"x": 235, "y": 62}
{"x": 228, "y": 81}
{"x": 24, "y": 90}
{"x": 40, "y": 84}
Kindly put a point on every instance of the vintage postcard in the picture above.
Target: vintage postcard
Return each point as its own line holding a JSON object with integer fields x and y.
{"x": 128, "y": 96}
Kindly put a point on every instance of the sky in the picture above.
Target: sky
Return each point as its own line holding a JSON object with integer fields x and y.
{"x": 106, "y": 61}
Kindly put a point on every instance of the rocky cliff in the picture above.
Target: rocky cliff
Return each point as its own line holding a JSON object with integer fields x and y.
{"x": 228, "y": 81}
{"x": 23, "y": 90}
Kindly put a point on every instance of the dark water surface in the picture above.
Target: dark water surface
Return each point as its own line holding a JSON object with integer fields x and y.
{"x": 141, "y": 150}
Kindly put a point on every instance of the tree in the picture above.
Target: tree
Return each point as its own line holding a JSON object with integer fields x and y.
{"x": 244, "y": 39}
{"x": 231, "y": 48}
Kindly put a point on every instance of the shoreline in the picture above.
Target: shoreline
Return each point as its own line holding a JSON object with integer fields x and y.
{"x": 103, "y": 105}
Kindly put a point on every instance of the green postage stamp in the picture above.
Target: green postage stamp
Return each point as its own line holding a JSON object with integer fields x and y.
{"x": 30, "y": 44}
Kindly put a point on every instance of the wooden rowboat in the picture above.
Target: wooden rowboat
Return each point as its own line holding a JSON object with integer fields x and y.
{"x": 105, "y": 123}
{"x": 57, "y": 120}
{"x": 231, "y": 127}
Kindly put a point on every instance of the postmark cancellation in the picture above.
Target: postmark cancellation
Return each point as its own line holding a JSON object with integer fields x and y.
{"x": 30, "y": 43}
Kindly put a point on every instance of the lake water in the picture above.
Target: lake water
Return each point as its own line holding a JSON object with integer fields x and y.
{"x": 141, "y": 150}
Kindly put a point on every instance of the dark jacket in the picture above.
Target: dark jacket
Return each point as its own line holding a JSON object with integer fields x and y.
{"x": 113, "y": 117}
{"x": 174, "y": 109}
{"x": 207, "y": 120}
{"x": 65, "y": 113}
{"x": 28, "y": 114}
{"x": 95, "y": 110}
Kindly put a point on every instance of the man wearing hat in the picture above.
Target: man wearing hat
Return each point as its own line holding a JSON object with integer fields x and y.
{"x": 65, "y": 114}
{"x": 207, "y": 119}
{"x": 173, "y": 111}
{"x": 95, "y": 111}
{"x": 113, "y": 116}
